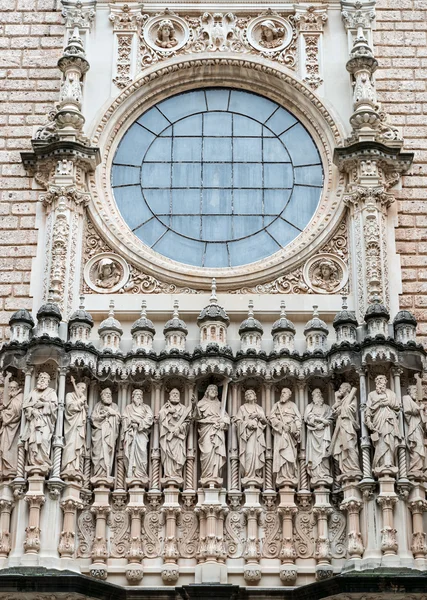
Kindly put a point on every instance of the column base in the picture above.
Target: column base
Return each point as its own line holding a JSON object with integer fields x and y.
{"x": 210, "y": 572}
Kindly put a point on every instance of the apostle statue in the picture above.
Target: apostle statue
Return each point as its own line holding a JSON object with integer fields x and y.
{"x": 382, "y": 419}
{"x": 105, "y": 420}
{"x": 344, "y": 446}
{"x": 415, "y": 433}
{"x": 174, "y": 419}
{"x": 212, "y": 423}
{"x": 10, "y": 419}
{"x": 251, "y": 422}
{"x": 40, "y": 410}
{"x": 74, "y": 428}
{"x": 318, "y": 418}
{"x": 285, "y": 420}
{"x": 137, "y": 420}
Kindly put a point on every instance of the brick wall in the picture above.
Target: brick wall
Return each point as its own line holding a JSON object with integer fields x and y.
{"x": 401, "y": 48}
{"x": 31, "y": 39}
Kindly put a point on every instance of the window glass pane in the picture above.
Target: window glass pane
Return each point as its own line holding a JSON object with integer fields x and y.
{"x": 186, "y": 175}
{"x": 158, "y": 200}
{"x": 247, "y": 149}
{"x": 216, "y": 175}
{"x": 156, "y": 175}
{"x": 187, "y": 149}
{"x": 173, "y": 110}
{"x": 217, "y": 124}
{"x": 282, "y": 231}
{"x": 278, "y": 175}
{"x": 309, "y": 175}
{"x": 131, "y": 205}
{"x": 300, "y": 146}
{"x": 189, "y": 126}
{"x": 216, "y": 201}
{"x": 154, "y": 120}
{"x": 275, "y": 201}
{"x": 280, "y": 121}
{"x": 251, "y": 249}
{"x": 217, "y": 149}
{"x": 188, "y": 226}
{"x": 274, "y": 150}
{"x": 217, "y": 99}
{"x": 301, "y": 206}
{"x": 216, "y": 255}
{"x": 186, "y": 202}
{"x": 216, "y": 228}
{"x": 133, "y": 146}
{"x": 247, "y": 202}
{"x": 173, "y": 245}
{"x": 151, "y": 231}
{"x": 247, "y": 175}
{"x": 245, "y": 126}
{"x": 159, "y": 151}
{"x": 258, "y": 107}
{"x": 244, "y": 225}
{"x": 122, "y": 175}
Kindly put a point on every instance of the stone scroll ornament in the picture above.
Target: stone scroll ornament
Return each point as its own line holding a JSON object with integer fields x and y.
{"x": 105, "y": 420}
{"x": 74, "y": 429}
{"x": 212, "y": 422}
{"x": 251, "y": 422}
{"x": 40, "y": 409}
{"x": 344, "y": 446}
{"x": 174, "y": 419}
{"x": 415, "y": 433}
{"x": 286, "y": 423}
{"x": 10, "y": 419}
{"x": 382, "y": 419}
{"x": 136, "y": 425}
{"x": 318, "y": 418}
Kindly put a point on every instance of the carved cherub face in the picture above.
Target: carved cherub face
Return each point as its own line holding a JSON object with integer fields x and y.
{"x": 43, "y": 381}
{"x": 174, "y": 396}
{"x": 212, "y": 392}
{"x": 380, "y": 384}
{"x": 106, "y": 396}
{"x": 137, "y": 397}
{"x": 13, "y": 389}
{"x": 285, "y": 395}
{"x": 317, "y": 397}
{"x": 250, "y": 397}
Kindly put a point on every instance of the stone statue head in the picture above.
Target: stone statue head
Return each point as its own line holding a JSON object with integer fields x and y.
{"x": 166, "y": 30}
{"x": 81, "y": 388}
{"x": 211, "y": 392}
{"x": 14, "y": 389}
{"x": 250, "y": 396}
{"x": 106, "y": 268}
{"x": 137, "y": 397}
{"x": 317, "y": 397}
{"x": 412, "y": 391}
{"x": 106, "y": 396}
{"x": 345, "y": 388}
{"x": 175, "y": 396}
{"x": 43, "y": 381}
{"x": 380, "y": 383}
{"x": 285, "y": 394}
{"x": 269, "y": 31}
{"x": 327, "y": 270}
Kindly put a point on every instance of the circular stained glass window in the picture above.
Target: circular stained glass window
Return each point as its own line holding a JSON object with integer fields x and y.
{"x": 217, "y": 177}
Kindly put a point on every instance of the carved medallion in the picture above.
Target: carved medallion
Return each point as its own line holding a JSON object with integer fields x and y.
{"x": 325, "y": 273}
{"x": 269, "y": 33}
{"x": 166, "y": 33}
{"x": 106, "y": 273}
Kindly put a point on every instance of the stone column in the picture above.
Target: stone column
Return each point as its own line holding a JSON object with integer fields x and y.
{"x": 6, "y": 505}
{"x": 352, "y": 505}
{"x": 418, "y": 506}
{"x": 287, "y": 510}
{"x": 101, "y": 509}
{"x": 136, "y": 511}
{"x": 209, "y": 569}
{"x": 55, "y": 483}
{"x": 234, "y": 479}
{"x": 35, "y": 500}
{"x": 67, "y": 541}
{"x": 190, "y": 463}
{"x": 302, "y": 401}
{"x": 322, "y": 509}
{"x": 269, "y": 493}
{"x": 170, "y": 569}
{"x": 125, "y": 19}
{"x": 155, "y": 447}
{"x": 387, "y": 500}
{"x": 310, "y": 24}
{"x": 252, "y": 554}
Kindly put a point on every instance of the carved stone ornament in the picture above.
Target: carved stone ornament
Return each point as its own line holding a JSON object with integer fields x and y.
{"x": 106, "y": 273}
{"x": 325, "y": 273}
{"x": 269, "y": 34}
{"x": 166, "y": 33}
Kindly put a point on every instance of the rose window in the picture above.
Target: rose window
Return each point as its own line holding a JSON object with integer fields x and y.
{"x": 217, "y": 177}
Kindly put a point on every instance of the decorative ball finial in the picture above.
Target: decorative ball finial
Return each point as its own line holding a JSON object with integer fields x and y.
{"x": 214, "y": 299}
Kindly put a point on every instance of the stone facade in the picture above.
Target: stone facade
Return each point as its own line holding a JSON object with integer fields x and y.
{"x": 277, "y": 436}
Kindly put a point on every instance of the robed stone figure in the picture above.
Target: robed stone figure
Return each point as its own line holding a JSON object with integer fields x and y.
{"x": 105, "y": 420}
{"x": 382, "y": 419}
{"x": 318, "y": 418}
{"x": 415, "y": 433}
{"x": 174, "y": 419}
{"x": 40, "y": 410}
{"x": 137, "y": 420}
{"x": 285, "y": 420}
{"x": 74, "y": 428}
{"x": 10, "y": 419}
{"x": 344, "y": 445}
{"x": 250, "y": 423}
{"x": 212, "y": 423}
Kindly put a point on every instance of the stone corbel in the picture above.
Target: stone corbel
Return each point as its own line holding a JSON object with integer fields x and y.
{"x": 322, "y": 510}
{"x": 70, "y": 505}
{"x": 101, "y": 509}
{"x": 170, "y": 569}
{"x": 355, "y": 15}
{"x": 310, "y": 23}
{"x": 6, "y": 506}
{"x": 134, "y": 555}
{"x": 79, "y": 14}
{"x": 126, "y": 19}
{"x": 418, "y": 506}
{"x": 387, "y": 499}
{"x": 35, "y": 500}
{"x": 288, "y": 569}
{"x": 352, "y": 505}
